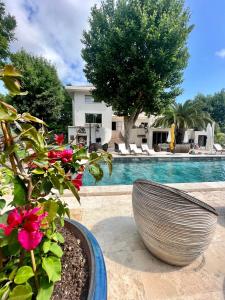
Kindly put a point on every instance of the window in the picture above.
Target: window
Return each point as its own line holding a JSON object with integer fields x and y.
{"x": 89, "y": 99}
{"x": 93, "y": 118}
{"x": 113, "y": 125}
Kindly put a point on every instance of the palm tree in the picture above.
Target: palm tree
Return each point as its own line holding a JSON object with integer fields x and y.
{"x": 184, "y": 116}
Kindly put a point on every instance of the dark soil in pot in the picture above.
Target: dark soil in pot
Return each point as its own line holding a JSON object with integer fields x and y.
{"x": 75, "y": 282}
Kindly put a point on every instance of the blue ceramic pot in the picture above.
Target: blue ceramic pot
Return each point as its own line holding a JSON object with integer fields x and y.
{"x": 96, "y": 263}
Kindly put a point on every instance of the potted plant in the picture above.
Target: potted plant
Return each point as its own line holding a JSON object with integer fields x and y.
{"x": 31, "y": 239}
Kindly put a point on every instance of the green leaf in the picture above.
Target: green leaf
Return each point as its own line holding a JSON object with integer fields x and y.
{"x": 46, "y": 289}
{"x": 28, "y": 117}
{"x": 67, "y": 211}
{"x": 30, "y": 134}
{"x": 21, "y": 292}
{"x": 14, "y": 247}
{"x": 60, "y": 237}
{"x": 23, "y": 274}
{"x": 96, "y": 171}
{"x": 55, "y": 180}
{"x": 2, "y": 203}
{"x": 6, "y": 114}
{"x": 10, "y": 149}
{"x": 38, "y": 171}
{"x": 72, "y": 188}
{"x": 52, "y": 266}
{"x": 9, "y": 71}
{"x": 46, "y": 246}
{"x": 12, "y": 274}
{"x": 93, "y": 156}
{"x": 56, "y": 249}
{"x": 45, "y": 186}
{"x": 80, "y": 154}
{"x": 3, "y": 277}
{"x": 19, "y": 192}
{"x": 51, "y": 207}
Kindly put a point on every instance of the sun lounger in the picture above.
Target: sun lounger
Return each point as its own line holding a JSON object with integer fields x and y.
{"x": 135, "y": 150}
{"x": 218, "y": 148}
{"x": 146, "y": 149}
{"x": 122, "y": 149}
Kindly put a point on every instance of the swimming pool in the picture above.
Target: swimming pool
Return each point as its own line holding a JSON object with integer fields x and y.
{"x": 162, "y": 172}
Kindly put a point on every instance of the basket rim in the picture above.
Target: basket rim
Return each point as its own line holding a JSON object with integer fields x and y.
{"x": 177, "y": 192}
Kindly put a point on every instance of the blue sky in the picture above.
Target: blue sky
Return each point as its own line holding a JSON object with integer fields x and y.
{"x": 206, "y": 68}
{"x": 54, "y": 31}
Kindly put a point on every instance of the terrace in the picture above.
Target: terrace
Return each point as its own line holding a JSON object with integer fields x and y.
{"x": 131, "y": 269}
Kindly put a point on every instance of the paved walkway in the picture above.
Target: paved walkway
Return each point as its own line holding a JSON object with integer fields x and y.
{"x": 133, "y": 273}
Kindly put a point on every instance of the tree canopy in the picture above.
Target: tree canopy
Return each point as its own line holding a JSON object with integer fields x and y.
{"x": 7, "y": 26}
{"x": 46, "y": 95}
{"x": 214, "y": 105}
{"x": 135, "y": 53}
{"x": 183, "y": 115}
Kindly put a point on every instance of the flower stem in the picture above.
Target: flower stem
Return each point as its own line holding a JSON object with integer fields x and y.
{"x": 34, "y": 267}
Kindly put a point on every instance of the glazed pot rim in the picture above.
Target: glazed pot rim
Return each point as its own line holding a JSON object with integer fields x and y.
{"x": 97, "y": 272}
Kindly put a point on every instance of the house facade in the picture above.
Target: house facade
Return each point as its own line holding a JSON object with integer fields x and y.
{"x": 94, "y": 122}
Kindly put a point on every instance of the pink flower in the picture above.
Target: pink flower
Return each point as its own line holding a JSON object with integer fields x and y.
{"x": 28, "y": 223}
{"x": 66, "y": 155}
{"x": 77, "y": 182}
{"x": 30, "y": 235}
{"x": 29, "y": 240}
{"x": 54, "y": 156}
{"x": 59, "y": 139}
{"x": 14, "y": 220}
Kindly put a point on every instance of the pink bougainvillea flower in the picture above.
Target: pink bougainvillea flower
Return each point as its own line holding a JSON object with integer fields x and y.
{"x": 28, "y": 222}
{"x": 30, "y": 235}
{"x": 14, "y": 220}
{"x": 66, "y": 155}
{"x": 59, "y": 139}
{"x": 54, "y": 156}
{"x": 77, "y": 182}
{"x": 32, "y": 220}
{"x": 29, "y": 240}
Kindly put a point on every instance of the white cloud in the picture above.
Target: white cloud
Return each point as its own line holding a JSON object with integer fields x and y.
{"x": 53, "y": 29}
{"x": 221, "y": 53}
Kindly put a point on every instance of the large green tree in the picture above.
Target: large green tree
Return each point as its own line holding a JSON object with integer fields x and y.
{"x": 183, "y": 115}
{"x": 46, "y": 95}
{"x": 7, "y": 26}
{"x": 135, "y": 53}
{"x": 214, "y": 105}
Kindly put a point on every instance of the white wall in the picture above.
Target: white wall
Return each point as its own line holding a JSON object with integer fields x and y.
{"x": 80, "y": 108}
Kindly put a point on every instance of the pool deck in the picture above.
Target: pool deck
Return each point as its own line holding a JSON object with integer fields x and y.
{"x": 135, "y": 274}
{"x": 164, "y": 157}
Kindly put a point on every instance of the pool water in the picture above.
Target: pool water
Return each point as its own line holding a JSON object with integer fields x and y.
{"x": 162, "y": 172}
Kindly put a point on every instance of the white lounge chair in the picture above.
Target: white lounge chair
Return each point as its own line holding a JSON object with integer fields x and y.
{"x": 146, "y": 149}
{"x": 135, "y": 150}
{"x": 122, "y": 149}
{"x": 218, "y": 148}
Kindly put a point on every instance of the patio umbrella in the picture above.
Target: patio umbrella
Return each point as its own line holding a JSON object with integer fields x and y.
{"x": 186, "y": 137}
{"x": 213, "y": 133}
{"x": 209, "y": 141}
{"x": 169, "y": 137}
{"x": 172, "y": 134}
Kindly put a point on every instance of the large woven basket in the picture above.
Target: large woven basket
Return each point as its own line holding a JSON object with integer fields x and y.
{"x": 174, "y": 226}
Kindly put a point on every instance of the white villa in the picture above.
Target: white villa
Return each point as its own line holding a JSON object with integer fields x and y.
{"x": 94, "y": 122}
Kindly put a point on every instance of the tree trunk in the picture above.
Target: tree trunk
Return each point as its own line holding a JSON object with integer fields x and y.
{"x": 180, "y": 135}
{"x": 129, "y": 122}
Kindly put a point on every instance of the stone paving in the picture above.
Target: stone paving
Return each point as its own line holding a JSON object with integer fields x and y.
{"x": 135, "y": 274}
